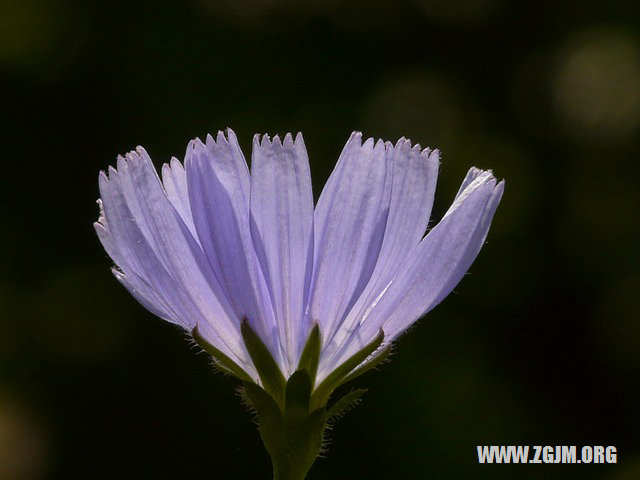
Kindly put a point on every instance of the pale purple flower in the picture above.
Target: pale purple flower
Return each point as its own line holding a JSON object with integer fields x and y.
{"x": 211, "y": 242}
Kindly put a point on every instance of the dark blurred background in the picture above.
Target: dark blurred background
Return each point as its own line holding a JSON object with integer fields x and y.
{"x": 538, "y": 346}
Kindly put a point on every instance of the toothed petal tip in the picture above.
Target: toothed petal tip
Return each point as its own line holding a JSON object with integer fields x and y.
{"x": 355, "y": 137}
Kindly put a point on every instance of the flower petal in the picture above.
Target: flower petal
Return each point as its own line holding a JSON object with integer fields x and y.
{"x": 139, "y": 288}
{"x": 349, "y": 225}
{"x": 154, "y": 247}
{"x": 219, "y": 187}
{"x": 282, "y": 225}
{"x": 415, "y": 173}
{"x": 441, "y": 260}
{"x": 432, "y": 270}
{"x": 174, "y": 179}
{"x": 147, "y": 296}
{"x": 124, "y": 241}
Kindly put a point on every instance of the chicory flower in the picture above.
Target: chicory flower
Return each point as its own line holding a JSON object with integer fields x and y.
{"x": 291, "y": 299}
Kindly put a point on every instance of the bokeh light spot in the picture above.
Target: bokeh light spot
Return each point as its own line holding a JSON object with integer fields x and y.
{"x": 596, "y": 89}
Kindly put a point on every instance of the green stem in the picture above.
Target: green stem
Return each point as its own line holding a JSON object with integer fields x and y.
{"x": 287, "y": 476}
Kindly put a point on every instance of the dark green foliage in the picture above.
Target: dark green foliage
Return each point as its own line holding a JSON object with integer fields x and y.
{"x": 270, "y": 374}
{"x": 294, "y": 437}
{"x": 306, "y": 443}
{"x": 271, "y": 427}
{"x": 311, "y": 354}
{"x": 221, "y": 361}
{"x": 292, "y": 416}
{"x": 334, "y": 379}
{"x": 373, "y": 363}
{"x": 297, "y": 399}
{"x": 346, "y": 403}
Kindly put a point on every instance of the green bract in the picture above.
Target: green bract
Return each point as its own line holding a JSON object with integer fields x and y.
{"x": 293, "y": 414}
